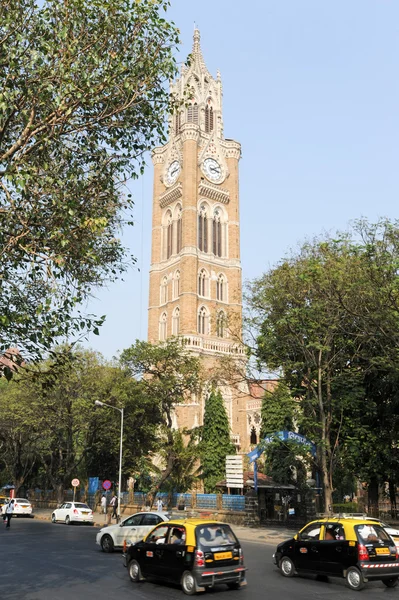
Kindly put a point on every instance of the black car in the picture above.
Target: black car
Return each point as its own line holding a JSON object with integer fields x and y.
{"x": 357, "y": 549}
{"x": 196, "y": 554}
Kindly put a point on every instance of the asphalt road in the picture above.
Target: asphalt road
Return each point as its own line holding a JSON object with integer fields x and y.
{"x": 42, "y": 561}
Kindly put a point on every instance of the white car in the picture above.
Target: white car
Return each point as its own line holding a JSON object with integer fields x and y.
{"x": 22, "y": 507}
{"x": 73, "y": 512}
{"x": 130, "y": 530}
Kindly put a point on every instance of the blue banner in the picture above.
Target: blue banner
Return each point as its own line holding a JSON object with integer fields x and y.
{"x": 94, "y": 483}
{"x": 283, "y": 436}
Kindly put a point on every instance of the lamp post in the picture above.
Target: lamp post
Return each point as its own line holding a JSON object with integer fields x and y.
{"x": 99, "y": 403}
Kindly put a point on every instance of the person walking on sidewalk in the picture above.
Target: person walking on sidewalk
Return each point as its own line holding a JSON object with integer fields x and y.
{"x": 114, "y": 504}
{"x": 9, "y": 511}
{"x": 104, "y": 504}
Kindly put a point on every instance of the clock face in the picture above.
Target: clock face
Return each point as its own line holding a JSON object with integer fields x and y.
{"x": 212, "y": 169}
{"x": 173, "y": 172}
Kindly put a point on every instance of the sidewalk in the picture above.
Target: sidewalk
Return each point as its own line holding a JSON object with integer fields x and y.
{"x": 265, "y": 535}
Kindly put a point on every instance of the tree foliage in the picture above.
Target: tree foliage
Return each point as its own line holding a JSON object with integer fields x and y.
{"x": 215, "y": 441}
{"x": 328, "y": 317}
{"x": 82, "y": 99}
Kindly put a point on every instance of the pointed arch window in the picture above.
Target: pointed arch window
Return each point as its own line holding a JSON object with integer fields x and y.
{"x": 208, "y": 118}
{"x": 176, "y": 321}
{"x": 169, "y": 236}
{"x": 221, "y": 325}
{"x": 254, "y": 438}
{"x": 203, "y": 321}
{"x": 221, "y": 289}
{"x": 177, "y": 123}
{"x": 217, "y": 233}
{"x": 203, "y": 229}
{"x": 192, "y": 113}
{"x": 203, "y": 283}
{"x": 176, "y": 285}
{"x": 179, "y": 231}
{"x": 163, "y": 327}
{"x": 164, "y": 290}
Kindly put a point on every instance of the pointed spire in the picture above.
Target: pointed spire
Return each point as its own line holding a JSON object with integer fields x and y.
{"x": 196, "y": 44}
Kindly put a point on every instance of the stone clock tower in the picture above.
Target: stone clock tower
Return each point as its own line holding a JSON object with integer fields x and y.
{"x": 195, "y": 274}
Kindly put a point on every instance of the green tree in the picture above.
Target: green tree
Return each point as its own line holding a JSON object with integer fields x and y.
{"x": 82, "y": 99}
{"x": 279, "y": 412}
{"x": 215, "y": 441}
{"x": 169, "y": 374}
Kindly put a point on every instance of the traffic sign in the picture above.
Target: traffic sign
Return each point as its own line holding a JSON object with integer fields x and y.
{"x": 107, "y": 485}
{"x": 75, "y": 482}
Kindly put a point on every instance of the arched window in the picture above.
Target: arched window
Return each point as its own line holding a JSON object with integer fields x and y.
{"x": 217, "y": 233}
{"x": 208, "y": 118}
{"x": 221, "y": 289}
{"x": 164, "y": 290}
{"x": 192, "y": 113}
{"x": 179, "y": 231}
{"x": 221, "y": 324}
{"x": 176, "y": 321}
{"x": 176, "y": 285}
{"x": 203, "y": 321}
{"x": 203, "y": 229}
{"x": 169, "y": 237}
{"x": 177, "y": 123}
{"x": 163, "y": 321}
{"x": 254, "y": 439}
{"x": 203, "y": 283}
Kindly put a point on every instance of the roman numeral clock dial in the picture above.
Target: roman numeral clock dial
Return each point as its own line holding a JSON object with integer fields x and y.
{"x": 212, "y": 170}
{"x": 173, "y": 172}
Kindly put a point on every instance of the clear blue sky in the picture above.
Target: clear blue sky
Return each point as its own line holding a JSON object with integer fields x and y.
{"x": 311, "y": 91}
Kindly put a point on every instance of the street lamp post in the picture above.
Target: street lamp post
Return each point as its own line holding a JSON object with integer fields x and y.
{"x": 99, "y": 403}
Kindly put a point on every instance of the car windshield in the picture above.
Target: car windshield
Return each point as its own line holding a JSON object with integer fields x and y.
{"x": 215, "y": 535}
{"x": 22, "y": 500}
{"x": 80, "y": 505}
{"x": 369, "y": 534}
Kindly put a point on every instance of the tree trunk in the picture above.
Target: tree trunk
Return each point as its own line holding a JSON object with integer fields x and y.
{"x": 373, "y": 497}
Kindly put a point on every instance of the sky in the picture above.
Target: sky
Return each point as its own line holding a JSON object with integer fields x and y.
{"x": 311, "y": 91}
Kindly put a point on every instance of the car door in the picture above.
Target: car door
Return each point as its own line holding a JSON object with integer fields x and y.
{"x": 153, "y": 551}
{"x": 67, "y": 510}
{"x": 307, "y": 548}
{"x": 128, "y": 529}
{"x": 333, "y": 549}
{"x": 148, "y": 522}
{"x": 173, "y": 562}
{"x": 60, "y": 512}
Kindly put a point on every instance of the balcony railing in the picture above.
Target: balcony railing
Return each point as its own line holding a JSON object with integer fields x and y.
{"x": 235, "y": 439}
{"x": 199, "y": 343}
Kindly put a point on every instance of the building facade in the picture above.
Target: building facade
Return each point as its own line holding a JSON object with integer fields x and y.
{"x": 195, "y": 273}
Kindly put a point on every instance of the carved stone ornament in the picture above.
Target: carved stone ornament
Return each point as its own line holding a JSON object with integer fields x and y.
{"x": 213, "y": 192}
{"x": 171, "y": 195}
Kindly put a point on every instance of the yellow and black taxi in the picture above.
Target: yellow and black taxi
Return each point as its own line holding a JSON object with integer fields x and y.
{"x": 359, "y": 550}
{"x": 195, "y": 553}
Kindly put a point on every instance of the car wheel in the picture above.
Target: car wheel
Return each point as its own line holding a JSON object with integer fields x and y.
{"x": 393, "y": 582}
{"x": 67, "y": 520}
{"x": 53, "y": 519}
{"x": 107, "y": 544}
{"x": 354, "y": 579}
{"x": 287, "y": 567}
{"x": 234, "y": 585}
{"x": 134, "y": 571}
{"x": 188, "y": 583}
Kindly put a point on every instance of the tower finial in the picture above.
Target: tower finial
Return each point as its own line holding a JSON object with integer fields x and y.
{"x": 197, "y": 38}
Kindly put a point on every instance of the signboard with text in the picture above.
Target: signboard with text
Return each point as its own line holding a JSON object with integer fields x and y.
{"x": 234, "y": 471}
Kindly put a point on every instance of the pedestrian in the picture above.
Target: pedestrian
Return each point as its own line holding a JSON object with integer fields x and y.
{"x": 114, "y": 504}
{"x": 104, "y": 504}
{"x": 159, "y": 505}
{"x": 9, "y": 511}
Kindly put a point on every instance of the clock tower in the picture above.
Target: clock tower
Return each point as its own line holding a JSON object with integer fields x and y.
{"x": 195, "y": 274}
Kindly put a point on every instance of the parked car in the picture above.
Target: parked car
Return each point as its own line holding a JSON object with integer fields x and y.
{"x": 195, "y": 553}
{"x": 73, "y": 512}
{"x": 392, "y": 531}
{"x": 22, "y": 507}
{"x": 130, "y": 530}
{"x": 359, "y": 550}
